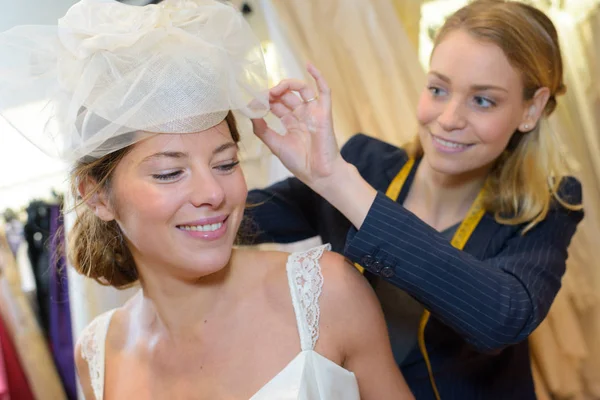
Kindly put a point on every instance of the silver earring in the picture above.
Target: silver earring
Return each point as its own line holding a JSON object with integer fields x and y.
{"x": 525, "y": 126}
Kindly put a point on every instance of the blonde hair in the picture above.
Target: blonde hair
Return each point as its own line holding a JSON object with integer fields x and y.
{"x": 527, "y": 176}
{"x": 97, "y": 248}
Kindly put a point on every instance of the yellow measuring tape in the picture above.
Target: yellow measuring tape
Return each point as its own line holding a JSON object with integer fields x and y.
{"x": 459, "y": 240}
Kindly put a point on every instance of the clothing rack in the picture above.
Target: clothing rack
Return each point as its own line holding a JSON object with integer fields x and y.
{"x": 24, "y": 333}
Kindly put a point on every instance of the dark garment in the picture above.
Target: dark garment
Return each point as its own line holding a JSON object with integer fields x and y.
{"x": 61, "y": 338}
{"x": 484, "y": 301}
{"x": 37, "y": 235}
{"x": 402, "y": 312}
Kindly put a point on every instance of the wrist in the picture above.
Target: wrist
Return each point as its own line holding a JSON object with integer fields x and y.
{"x": 331, "y": 185}
{"x": 347, "y": 191}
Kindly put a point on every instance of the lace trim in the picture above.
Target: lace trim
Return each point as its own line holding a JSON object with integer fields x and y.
{"x": 306, "y": 283}
{"x": 92, "y": 351}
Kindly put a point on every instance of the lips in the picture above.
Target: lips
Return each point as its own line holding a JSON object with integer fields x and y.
{"x": 209, "y": 229}
{"x": 204, "y": 225}
{"x": 201, "y": 228}
{"x": 448, "y": 146}
{"x": 206, "y": 221}
{"x": 450, "y": 143}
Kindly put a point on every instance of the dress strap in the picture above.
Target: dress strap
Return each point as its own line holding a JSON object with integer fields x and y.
{"x": 306, "y": 282}
{"x": 93, "y": 343}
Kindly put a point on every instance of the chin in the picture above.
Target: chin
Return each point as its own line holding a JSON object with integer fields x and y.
{"x": 191, "y": 264}
{"x": 208, "y": 261}
{"x": 446, "y": 166}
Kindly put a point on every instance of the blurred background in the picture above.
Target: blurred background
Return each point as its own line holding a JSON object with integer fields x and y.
{"x": 373, "y": 54}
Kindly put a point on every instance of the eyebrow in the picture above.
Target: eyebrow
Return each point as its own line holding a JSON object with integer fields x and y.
{"x": 179, "y": 154}
{"x": 475, "y": 87}
{"x": 223, "y": 147}
{"x": 168, "y": 154}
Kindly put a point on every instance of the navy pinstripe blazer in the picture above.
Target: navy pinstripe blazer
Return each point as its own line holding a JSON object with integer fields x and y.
{"x": 484, "y": 301}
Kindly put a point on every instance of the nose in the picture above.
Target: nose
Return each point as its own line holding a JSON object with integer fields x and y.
{"x": 206, "y": 190}
{"x": 452, "y": 116}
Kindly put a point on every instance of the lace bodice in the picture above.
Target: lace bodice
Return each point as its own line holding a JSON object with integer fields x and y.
{"x": 309, "y": 376}
{"x": 93, "y": 340}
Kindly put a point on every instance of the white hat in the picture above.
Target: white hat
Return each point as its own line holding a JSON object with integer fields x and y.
{"x": 109, "y": 69}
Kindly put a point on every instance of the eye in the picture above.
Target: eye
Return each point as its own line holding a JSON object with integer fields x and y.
{"x": 168, "y": 177}
{"x": 484, "y": 102}
{"x": 227, "y": 167}
{"x": 436, "y": 91}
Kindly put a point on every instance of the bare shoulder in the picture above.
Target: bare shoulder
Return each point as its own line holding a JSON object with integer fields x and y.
{"x": 343, "y": 284}
{"x": 348, "y": 303}
{"x": 340, "y": 272}
{"x": 346, "y": 294}
{"x": 351, "y": 317}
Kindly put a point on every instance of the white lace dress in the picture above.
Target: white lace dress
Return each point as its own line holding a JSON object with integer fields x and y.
{"x": 309, "y": 376}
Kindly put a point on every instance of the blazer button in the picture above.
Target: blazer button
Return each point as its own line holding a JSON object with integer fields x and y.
{"x": 387, "y": 272}
{"x": 367, "y": 261}
{"x": 376, "y": 267}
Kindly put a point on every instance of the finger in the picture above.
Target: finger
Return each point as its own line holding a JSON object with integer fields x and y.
{"x": 280, "y": 110}
{"x": 267, "y": 135}
{"x": 259, "y": 126}
{"x": 322, "y": 85}
{"x": 287, "y": 85}
{"x": 291, "y": 100}
{"x": 295, "y": 85}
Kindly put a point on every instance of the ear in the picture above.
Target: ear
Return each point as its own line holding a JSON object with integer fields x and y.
{"x": 97, "y": 200}
{"x": 534, "y": 109}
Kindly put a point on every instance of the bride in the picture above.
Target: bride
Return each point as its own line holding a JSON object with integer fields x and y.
{"x": 141, "y": 102}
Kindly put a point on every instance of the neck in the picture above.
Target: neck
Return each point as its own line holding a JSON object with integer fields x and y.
{"x": 447, "y": 198}
{"x": 180, "y": 307}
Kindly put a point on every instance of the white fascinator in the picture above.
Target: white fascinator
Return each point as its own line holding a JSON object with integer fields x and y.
{"x": 109, "y": 69}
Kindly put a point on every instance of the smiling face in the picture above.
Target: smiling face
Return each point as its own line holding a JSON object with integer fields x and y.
{"x": 471, "y": 106}
{"x": 179, "y": 201}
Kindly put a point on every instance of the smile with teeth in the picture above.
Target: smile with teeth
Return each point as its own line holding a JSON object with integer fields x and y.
{"x": 201, "y": 228}
{"x": 450, "y": 144}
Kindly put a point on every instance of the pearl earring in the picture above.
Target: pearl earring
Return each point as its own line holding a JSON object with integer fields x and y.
{"x": 526, "y": 127}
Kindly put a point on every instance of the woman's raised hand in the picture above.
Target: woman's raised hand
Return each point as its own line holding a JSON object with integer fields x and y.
{"x": 308, "y": 148}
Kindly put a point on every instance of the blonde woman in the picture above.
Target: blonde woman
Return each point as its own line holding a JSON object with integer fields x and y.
{"x": 140, "y": 100}
{"x": 464, "y": 233}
